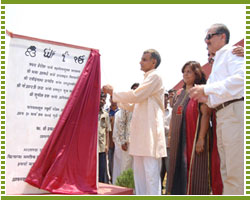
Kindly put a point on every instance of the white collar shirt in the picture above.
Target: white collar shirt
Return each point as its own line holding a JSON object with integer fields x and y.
{"x": 226, "y": 81}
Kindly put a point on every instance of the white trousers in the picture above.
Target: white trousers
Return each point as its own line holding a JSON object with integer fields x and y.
{"x": 147, "y": 175}
{"x": 122, "y": 162}
{"x": 127, "y": 160}
{"x": 117, "y": 163}
{"x": 230, "y": 142}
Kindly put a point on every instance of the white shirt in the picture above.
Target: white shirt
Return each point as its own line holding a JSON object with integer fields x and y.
{"x": 226, "y": 81}
{"x": 121, "y": 126}
{"x": 167, "y": 119}
{"x": 147, "y": 137}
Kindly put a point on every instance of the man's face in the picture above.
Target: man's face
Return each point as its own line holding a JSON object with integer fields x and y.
{"x": 214, "y": 41}
{"x": 171, "y": 94}
{"x": 102, "y": 100}
{"x": 171, "y": 98}
{"x": 147, "y": 63}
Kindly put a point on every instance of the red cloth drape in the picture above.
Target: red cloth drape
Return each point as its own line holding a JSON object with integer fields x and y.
{"x": 67, "y": 163}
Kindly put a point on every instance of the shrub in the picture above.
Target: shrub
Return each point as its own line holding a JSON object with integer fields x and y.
{"x": 126, "y": 179}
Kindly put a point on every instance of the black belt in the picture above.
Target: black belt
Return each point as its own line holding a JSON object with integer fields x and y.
{"x": 227, "y": 103}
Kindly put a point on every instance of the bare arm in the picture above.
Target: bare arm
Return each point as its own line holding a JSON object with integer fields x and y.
{"x": 204, "y": 125}
{"x": 108, "y": 129}
{"x": 107, "y": 141}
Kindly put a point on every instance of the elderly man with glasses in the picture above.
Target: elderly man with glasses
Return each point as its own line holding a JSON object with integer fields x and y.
{"x": 224, "y": 92}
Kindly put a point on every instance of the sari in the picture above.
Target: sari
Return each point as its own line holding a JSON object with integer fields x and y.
{"x": 191, "y": 173}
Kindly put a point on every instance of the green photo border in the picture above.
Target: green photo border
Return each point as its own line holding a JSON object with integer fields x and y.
{"x": 2, "y": 100}
{"x": 124, "y": 2}
{"x": 83, "y": 197}
{"x": 247, "y": 47}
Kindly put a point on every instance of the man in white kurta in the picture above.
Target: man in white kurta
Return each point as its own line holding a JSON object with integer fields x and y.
{"x": 147, "y": 137}
{"x": 224, "y": 92}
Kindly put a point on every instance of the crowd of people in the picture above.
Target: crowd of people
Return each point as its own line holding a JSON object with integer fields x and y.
{"x": 185, "y": 142}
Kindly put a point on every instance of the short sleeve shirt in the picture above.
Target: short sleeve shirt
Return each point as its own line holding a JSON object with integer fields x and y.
{"x": 103, "y": 128}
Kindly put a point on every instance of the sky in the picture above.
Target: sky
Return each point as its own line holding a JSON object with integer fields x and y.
{"x": 123, "y": 32}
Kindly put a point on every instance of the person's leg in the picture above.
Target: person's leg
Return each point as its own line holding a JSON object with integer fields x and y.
{"x": 117, "y": 163}
{"x": 152, "y": 167}
{"x": 163, "y": 170}
{"x": 139, "y": 176}
{"x": 126, "y": 161}
{"x": 233, "y": 144}
{"x": 111, "y": 157}
{"x": 219, "y": 127}
{"x": 102, "y": 166}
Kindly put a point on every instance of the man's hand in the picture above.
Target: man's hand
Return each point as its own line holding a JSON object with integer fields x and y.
{"x": 125, "y": 146}
{"x": 238, "y": 51}
{"x": 106, "y": 148}
{"x": 108, "y": 89}
{"x": 197, "y": 93}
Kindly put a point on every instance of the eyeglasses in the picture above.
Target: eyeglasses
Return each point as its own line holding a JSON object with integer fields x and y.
{"x": 210, "y": 35}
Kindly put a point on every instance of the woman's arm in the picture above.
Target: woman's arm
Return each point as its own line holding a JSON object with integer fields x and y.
{"x": 204, "y": 125}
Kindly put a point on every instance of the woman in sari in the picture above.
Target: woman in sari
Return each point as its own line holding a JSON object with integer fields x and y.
{"x": 190, "y": 143}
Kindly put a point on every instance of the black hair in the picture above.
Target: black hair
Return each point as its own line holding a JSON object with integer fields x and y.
{"x": 134, "y": 85}
{"x": 200, "y": 77}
